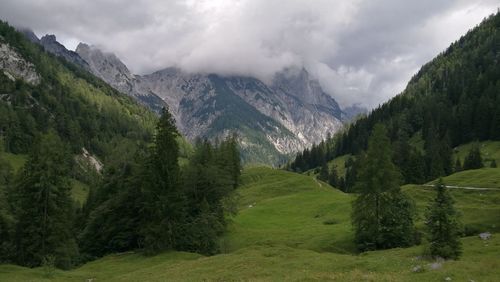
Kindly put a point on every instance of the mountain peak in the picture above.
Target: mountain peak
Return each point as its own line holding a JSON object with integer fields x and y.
{"x": 49, "y": 38}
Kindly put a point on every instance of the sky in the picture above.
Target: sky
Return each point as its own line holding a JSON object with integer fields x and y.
{"x": 361, "y": 51}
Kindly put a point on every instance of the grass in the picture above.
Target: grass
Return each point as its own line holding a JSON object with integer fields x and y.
{"x": 484, "y": 177}
{"x": 291, "y": 227}
{"x": 480, "y": 210}
{"x": 16, "y": 161}
{"x": 284, "y": 208}
{"x": 490, "y": 150}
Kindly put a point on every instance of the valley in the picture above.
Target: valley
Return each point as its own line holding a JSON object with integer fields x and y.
{"x": 288, "y": 227}
{"x": 177, "y": 167}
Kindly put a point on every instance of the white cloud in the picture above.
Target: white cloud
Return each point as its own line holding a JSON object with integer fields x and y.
{"x": 360, "y": 50}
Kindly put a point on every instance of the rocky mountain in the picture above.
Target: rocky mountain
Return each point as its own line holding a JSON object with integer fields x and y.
{"x": 121, "y": 78}
{"x": 51, "y": 45}
{"x": 14, "y": 66}
{"x": 110, "y": 69}
{"x": 272, "y": 120}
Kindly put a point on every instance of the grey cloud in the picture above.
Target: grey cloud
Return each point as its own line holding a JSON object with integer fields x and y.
{"x": 360, "y": 50}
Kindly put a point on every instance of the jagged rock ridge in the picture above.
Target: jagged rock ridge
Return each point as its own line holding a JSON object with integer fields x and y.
{"x": 272, "y": 119}
{"x": 292, "y": 112}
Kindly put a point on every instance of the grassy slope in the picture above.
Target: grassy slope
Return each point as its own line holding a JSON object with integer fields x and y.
{"x": 282, "y": 237}
{"x": 285, "y": 208}
{"x": 480, "y": 210}
{"x": 484, "y": 177}
{"x": 490, "y": 150}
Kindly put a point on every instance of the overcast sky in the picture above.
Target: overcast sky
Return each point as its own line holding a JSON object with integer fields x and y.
{"x": 361, "y": 51}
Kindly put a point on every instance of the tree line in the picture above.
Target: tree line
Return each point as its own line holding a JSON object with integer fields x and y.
{"x": 452, "y": 100}
{"x": 146, "y": 201}
{"x": 383, "y": 215}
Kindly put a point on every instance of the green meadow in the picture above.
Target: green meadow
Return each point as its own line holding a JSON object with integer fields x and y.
{"x": 292, "y": 227}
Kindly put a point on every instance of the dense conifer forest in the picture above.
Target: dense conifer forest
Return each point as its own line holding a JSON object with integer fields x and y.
{"x": 142, "y": 198}
{"x": 452, "y": 100}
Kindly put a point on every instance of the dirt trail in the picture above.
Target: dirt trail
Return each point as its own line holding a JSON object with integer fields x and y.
{"x": 464, "y": 187}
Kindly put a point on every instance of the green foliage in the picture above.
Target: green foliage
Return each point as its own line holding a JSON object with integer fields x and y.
{"x": 283, "y": 237}
{"x": 146, "y": 201}
{"x": 81, "y": 109}
{"x": 212, "y": 173}
{"x": 444, "y": 226}
{"x": 382, "y": 215}
{"x": 473, "y": 159}
{"x": 43, "y": 208}
{"x": 452, "y": 100}
{"x": 164, "y": 201}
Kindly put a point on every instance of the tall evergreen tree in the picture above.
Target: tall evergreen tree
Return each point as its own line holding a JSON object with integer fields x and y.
{"x": 473, "y": 160}
{"x": 382, "y": 216}
{"x": 6, "y": 221}
{"x": 443, "y": 224}
{"x": 333, "y": 178}
{"x": 324, "y": 172}
{"x": 43, "y": 206}
{"x": 164, "y": 204}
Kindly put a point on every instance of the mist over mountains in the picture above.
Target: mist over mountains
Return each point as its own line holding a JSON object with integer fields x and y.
{"x": 273, "y": 119}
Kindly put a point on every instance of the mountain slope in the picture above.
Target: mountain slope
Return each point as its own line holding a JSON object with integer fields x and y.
{"x": 279, "y": 118}
{"x": 452, "y": 100}
{"x": 41, "y": 93}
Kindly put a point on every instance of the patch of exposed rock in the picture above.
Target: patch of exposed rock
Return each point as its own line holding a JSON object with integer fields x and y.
{"x": 15, "y": 66}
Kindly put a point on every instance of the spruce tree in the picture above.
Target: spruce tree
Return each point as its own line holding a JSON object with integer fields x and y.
{"x": 323, "y": 172}
{"x": 43, "y": 206}
{"x": 164, "y": 205}
{"x": 473, "y": 160}
{"x": 6, "y": 221}
{"x": 443, "y": 225}
{"x": 382, "y": 216}
{"x": 333, "y": 178}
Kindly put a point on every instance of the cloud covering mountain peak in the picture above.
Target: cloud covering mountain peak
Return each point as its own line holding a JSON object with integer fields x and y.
{"x": 360, "y": 51}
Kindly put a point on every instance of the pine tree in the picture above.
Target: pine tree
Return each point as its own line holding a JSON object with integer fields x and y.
{"x": 6, "y": 222}
{"x": 164, "y": 205}
{"x": 443, "y": 224}
{"x": 44, "y": 209}
{"x": 416, "y": 172}
{"x": 382, "y": 216}
{"x": 473, "y": 160}
{"x": 333, "y": 178}
{"x": 323, "y": 172}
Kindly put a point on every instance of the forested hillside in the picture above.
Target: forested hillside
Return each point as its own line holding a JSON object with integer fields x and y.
{"x": 146, "y": 188}
{"x": 452, "y": 100}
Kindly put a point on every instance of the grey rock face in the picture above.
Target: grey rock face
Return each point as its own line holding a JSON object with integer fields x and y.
{"x": 50, "y": 44}
{"x": 290, "y": 113}
{"x": 14, "y": 66}
{"x": 110, "y": 69}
